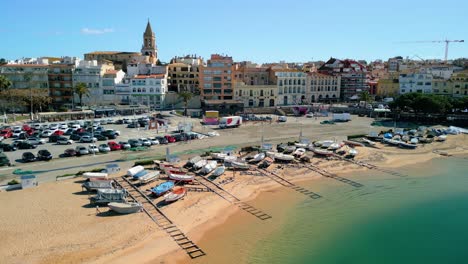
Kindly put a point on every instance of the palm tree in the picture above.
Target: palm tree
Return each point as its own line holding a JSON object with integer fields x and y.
{"x": 186, "y": 96}
{"x": 81, "y": 89}
{"x": 365, "y": 96}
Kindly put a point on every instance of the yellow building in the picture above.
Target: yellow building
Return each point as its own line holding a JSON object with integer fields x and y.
{"x": 459, "y": 83}
{"x": 441, "y": 86}
{"x": 256, "y": 95}
{"x": 388, "y": 87}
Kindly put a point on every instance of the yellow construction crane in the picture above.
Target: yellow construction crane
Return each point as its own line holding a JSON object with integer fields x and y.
{"x": 439, "y": 41}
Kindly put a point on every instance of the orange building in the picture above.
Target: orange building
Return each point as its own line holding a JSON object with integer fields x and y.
{"x": 216, "y": 78}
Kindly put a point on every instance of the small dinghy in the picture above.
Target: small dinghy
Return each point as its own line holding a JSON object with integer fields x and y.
{"x": 169, "y": 167}
{"x": 352, "y": 153}
{"x": 151, "y": 176}
{"x": 353, "y": 143}
{"x": 240, "y": 165}
{"x": 175, "y": 194}
{"x": 132, "y": 171}
{"x": 414, "y": 140}
{"x": 209, "y": 167}
{"x": 218, "y": 171}
{"x": 125, "y": 208}
{"x": 97, "y": 184}
{"x": 180, "y": 176}
{"x": 299, "y": 152}
{"x": 257, "y": 158}
{"x": 95, "y": 176}
{"x": 407, "y": 145}
{"x": 283, "y": 157}
{"x": 301, "y": 145}
{"x": 192, "y": 161}
{"x": 368, "y": 142}
{"x": 162, "y": 188}
{"x": 441, "y": 138}
{"x": 289, "y": 149}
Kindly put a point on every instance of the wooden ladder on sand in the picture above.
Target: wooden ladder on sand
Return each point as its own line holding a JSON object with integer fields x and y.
{"x": 160, "y": 218}
{"x": 332, "y": 176}
{"x": 288, "y": 184}
{"x": 232, "y": 199}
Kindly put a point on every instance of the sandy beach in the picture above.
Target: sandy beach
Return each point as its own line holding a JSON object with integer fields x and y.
{"x": 55, "y": 224}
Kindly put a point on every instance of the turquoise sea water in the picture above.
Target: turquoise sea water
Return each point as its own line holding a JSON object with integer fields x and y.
{"x": 422, "y": 218}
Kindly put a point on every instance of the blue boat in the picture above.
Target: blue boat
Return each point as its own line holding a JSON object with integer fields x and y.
{"x": 162, "y": 188}
{"x": 139, "y": 174}
{"x": 388, "y": 135}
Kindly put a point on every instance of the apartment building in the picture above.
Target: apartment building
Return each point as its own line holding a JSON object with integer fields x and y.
{"x": 183, "y": 74}
{"x": 322, "y": 88}
{"x": 459, "y": 83}
{"x": 291, "y": 87}
{"x": 148, "y": 90}
{"x": 216, "y": 78}
{"x": 256, "y": 95}
{"x": 90, "y": 73}
{"x": 61, "y": 85}
{"x": 415, "y": 82}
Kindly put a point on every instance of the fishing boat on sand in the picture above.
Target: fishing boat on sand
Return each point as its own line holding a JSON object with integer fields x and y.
{"x": 407, "y": 145}
{"x": 283, "y": 157}
{"x": 301, "y": 145}
{"x": 323, "y": 143}
{"x": 368, "y": 142}
{"x": 180, "y": 176}
{"x": 175, "y": 194}
{"x": 125, "y": 208}
{"x": 441, "y": 138}
{"x": 352, "y": 153}
{"x": 334, "y": 146}
{"x": 218, "y": 171}
{"x": 134, "y": 170}
{"x": 169, "y": 167}
{"x": 162, "y": 188}
{"x": 199, "y": 164}
{"x": 289, "y": 149}
{"x": 149, "y": 177}
{"x": 299, "y": 152}
{"x": 95, "y": 176}
{"x": 97, "y": 184}
{"x": 209, "y": 167}
{"x": 240, "y": 165}
{"x": 322, "y": 152}
{"x": 258, "y": 157}
{"x": 192, "y": 161}
{"x": 353, "y": 143}
{"x": 104, "y": 196}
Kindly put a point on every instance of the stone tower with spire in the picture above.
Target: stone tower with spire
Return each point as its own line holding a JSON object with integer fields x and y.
{"x": 149, "y": 47}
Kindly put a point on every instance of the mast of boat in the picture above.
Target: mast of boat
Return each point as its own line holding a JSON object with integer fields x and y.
{"x": 263, "y": 136}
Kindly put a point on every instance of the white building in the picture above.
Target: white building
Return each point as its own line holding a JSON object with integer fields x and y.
{"x": 291, "y": 87}
{"x": 149, "y": 90}
{"x": 134, "y": 69}
{"x": 441, "y": 71}
{"x": 415, "y": 82}
{"x": 90, "y": 73}
{"x": 322, "y": 87}
{"x": 109, "y": 80}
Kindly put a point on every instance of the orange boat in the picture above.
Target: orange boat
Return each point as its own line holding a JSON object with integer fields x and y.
{"x": 175, "y": 194}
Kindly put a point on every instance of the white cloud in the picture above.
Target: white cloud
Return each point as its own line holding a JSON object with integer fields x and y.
{"x": 95, "y": 31}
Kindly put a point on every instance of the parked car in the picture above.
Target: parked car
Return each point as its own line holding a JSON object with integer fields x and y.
{"x": 69, "y": 153}
{"x": 54, "y": 138}
{"x": 124, "y": 145}
{"x": 81, "y": 150}
{"x": 16, "y": 133}
{"x": 145, "y": 142}
{"x": 88, "y": 139}
{"x": 104, "y": 148}
{"x": 23, "y": 135}
{"x": 28, "y": 157}
{"x": 75, "y": 137}
{"x": 26, "y": 145}
{"x": 6, "y": 133}
{"x": 4, "y": 161}
{"x": 92, "y": 148}
{"x": 64, "y": 141}
{"x": 44, "y": 154}
{"x": 47, "y": 133}
{"x": 53, "y": 126}
{"x": 100, "y": 137}
{"x": 114, "y": 145}
{"x": 282, "y": 119}
{"x": 134, "y": 143}
{"x": 310, "y": 115}
{"x": 162, "y": 140}
{"x": 132, "y": 125}
{"x": 63, "y": 126}
{"x": 170, "y": 139}
{"x": 68, "y": 132}
{"x": 119, "y": 122}
{"x": 153, "y": 141}
{"x": 109, "y": 134}
{"x": 7, "y": 147}
{"x": 178, "y": 137}
{"x": 58, "y": 132}
{"x": 36, "y": 141}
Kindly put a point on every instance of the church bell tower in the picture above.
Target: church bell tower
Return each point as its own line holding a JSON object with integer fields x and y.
{"x": 149, "y": 47}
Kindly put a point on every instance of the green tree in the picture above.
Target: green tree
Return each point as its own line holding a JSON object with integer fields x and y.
{"x": 185, "y": 96}
{"x": 3, "y": 61}
{"x": 5, "y": 83}
{"x": 365, "y": 96}
{"x": 81, "y": 89}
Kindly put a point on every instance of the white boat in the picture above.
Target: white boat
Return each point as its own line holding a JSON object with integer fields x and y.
{"x": 334, "y": 146}
{"x": 151, "y": 176}
{"x": 180, "y": 176}
{"x": 199, "y": 164}
{"x": 414, "y": 140}
{"x": 283, "y": 157}
{"x": 289, "y": 149}
{"x": 353, "y": 143}
{"x": 169, "y": 167}
{"x": 209, "y": 167}
{"x": 218, "y": 171}
{"x": 322, "y": 152}
{"x": 299, "y": 152}
{"x": 391, "y": 141}
{"x": 441, "y": 138}
{"x": 352, "y": 152}
{"x": 175, "y": 194}
{"x": 132, "y": 171}
{"x": 258, "y": 157}
{"x": 218, "y": 156}
{"x": 240, "y": 165}
{"x": 95, "y": 175}
{"x": 125, "y": 208}
{"x": 271, "y": 154}
{"x": 323, "y": 143}
{"x": 408, "y": 145}
{"x": 97, "y": 184}
{"x": 301, "y": 145}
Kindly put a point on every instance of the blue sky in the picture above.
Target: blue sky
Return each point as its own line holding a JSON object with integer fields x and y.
{"x": 256, "y": 30}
